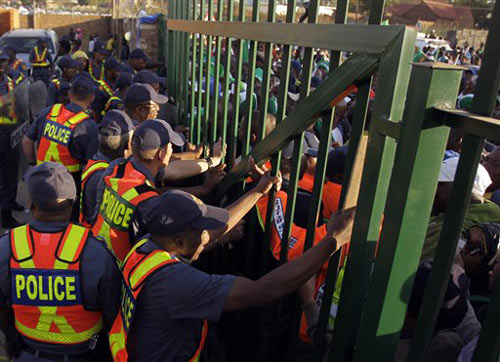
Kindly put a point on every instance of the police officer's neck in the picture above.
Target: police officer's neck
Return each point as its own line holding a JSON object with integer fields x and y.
{"x": 43, "y": 216}
{"x": 153, "y": 166}
{"x": 168, "y": 244}
{"x": 84, "y": 104}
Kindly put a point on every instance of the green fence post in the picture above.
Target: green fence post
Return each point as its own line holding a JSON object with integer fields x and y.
{"x": 411, "y": 194}
{"x": 194, "y": 81}
{"x": 199, "y": 108}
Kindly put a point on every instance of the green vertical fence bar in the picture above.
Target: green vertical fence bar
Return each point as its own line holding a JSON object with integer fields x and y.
{"x": 207, "y": 59}
{"x": 194, "y": 81}
{"x": 227, "y": 83}
{"x": 201, "y": 53}
{"x": 216, "y": 71}
{"x": 171, "y": 55}
{"x": 182, "y": 64}
{"x": 411, "y": 194}
{"x": 237, "y": 87}
{"x": 483, "y": 104}
{"x": 488, "y": 345}
{"x": 319, "y": 340}
{"x": 248, "y": 105}
{"x": 186, "y": 72}
{"x": 393, "y": 80}
{"x": 177, "y": 50}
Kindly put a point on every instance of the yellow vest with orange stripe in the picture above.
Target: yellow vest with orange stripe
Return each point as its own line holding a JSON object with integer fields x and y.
{"x": 136, "y": 268}
{"x": 124, "y": 189}
{"x": 46, "y": 289}
{"x": 93, "y": 76}
{"x": 56, "y": 136}
{"x": 110, "y": 101}
{"x": 90, "y": 169}
{"x": 40, "y": 59}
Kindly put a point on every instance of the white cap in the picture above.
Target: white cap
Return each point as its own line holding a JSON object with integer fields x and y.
{"x": 481, "y": 181}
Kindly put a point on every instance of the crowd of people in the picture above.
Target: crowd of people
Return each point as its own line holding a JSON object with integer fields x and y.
{"x": 122, "y": 205}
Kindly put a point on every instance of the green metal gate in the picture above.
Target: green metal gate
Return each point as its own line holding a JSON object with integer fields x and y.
{"x": 413, "y": 113}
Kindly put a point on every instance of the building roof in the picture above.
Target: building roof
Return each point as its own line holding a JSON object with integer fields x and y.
{"x": 440, "y": 9}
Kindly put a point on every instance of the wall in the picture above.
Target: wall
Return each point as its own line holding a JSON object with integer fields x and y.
{"x": 90, "y": 24}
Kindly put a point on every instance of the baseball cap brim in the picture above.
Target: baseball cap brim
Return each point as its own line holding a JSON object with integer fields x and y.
{"x": 175, "y": 138}
{"x": 211, "y": 218}
{"x": 159, "y": 98}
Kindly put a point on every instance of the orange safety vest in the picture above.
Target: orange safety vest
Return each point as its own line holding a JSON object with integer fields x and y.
{"x": 90, "y": 169}
{"x": 136, "y": 268}
{"x": 298, "y": 234}
{"x": 331, "y": 198}
{"x": 46, "y": 287}
{"x": 93, "y": 76}
{"x": 124, "y": 189}
{"x": 16, "y": 64}
{"x": 307, "y": 182}
{"x": 56, "y": 136}
{"x": 40, "y": 60}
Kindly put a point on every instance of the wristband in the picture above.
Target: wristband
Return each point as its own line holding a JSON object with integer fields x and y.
{"x": 210, "y": 163}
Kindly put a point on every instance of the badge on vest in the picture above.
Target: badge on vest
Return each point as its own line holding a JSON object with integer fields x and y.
{"x": 116, "y": 210}
{"x": 42, "y": 287}
{"x": 57, "y": 133}
{"x": 127, "y": 307}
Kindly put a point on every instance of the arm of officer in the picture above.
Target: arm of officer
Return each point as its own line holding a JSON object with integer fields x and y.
{"x": 32, "y": 134}
{"x": 246, "y": 293}
{"x": 5, "y": 312}
{"x": 84, "y": 142}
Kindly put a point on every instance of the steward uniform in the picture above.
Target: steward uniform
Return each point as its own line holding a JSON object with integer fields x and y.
{"x": 114, "y": 102}
{"x": 41, "y": 60}
{"x": 63, "y": 288}
{"x": 9, "y": 157}
{"x": 54, "y": 91}
{"x": 68, "y": 136}
{"x": 96, "y": 72}
{"x": 330, "y": 196}
{"x": 102, "y": 96}
{"x": 90, "y": 177}
{"x": 137, "y": 267}
{"x": 20, "y": 66}
{"x": 126, "y": 185}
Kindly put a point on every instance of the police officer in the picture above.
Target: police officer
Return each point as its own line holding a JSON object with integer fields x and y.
{"x": 16, "y": 63}
{"x": 41, "y": 61}
{"x": 148, "y": 77}
{"x": 9, "y": 157}
{"x": 142, "y": 102}
{"x": 59, "y": 286}
{"x": 161, "y": 318}
{"x": 58, "y": 91}
{"x": 66, "y": 134}
{"x": 127, "y": 187}
{"x": 115, "y": 135}
{"x": 122, "y": 84}
{"x": 96, "y": 64}
{"x": 138, "y": 59}
{"x": 112, "y": 68}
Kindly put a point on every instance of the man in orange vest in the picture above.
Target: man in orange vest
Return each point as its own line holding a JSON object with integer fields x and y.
{"x": 115, "y": 136}
{"x": 41, "y": 61}
{"x": 59, "y": 286}
{"x": 128, "y": 186}
{"x": 66, "y": 134}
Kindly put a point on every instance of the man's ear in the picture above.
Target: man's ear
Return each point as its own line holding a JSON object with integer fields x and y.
{"x": 179, "y": 243}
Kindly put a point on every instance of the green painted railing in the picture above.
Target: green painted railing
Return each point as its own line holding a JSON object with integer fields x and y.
{"x": 412, "y": 115}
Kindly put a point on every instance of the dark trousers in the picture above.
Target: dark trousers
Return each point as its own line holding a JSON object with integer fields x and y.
{"x": 9, "y": 171}
{"x": 41, "y": 73}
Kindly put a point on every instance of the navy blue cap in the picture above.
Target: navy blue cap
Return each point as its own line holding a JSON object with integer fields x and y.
{"x": 138, "y": 53}
{"x": 128, "y": 69}
{"x": 3, "y": 54}
{"x": 123, "y": 80}
{"x": 155, "y": 133}
{"x": 99, "y": 47}
{"x": 67, "y": 62}
{"x": 143, "y": 93}
{"x": 147, "y": 77}
{"x": 82, "y": 81}
{"x": 176, "y": 211}
{"x": 296, "y": 65}
{"x": 113, "y": 63}
{"x": 115, "y": 123}
{"x": 49, "y": 181}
